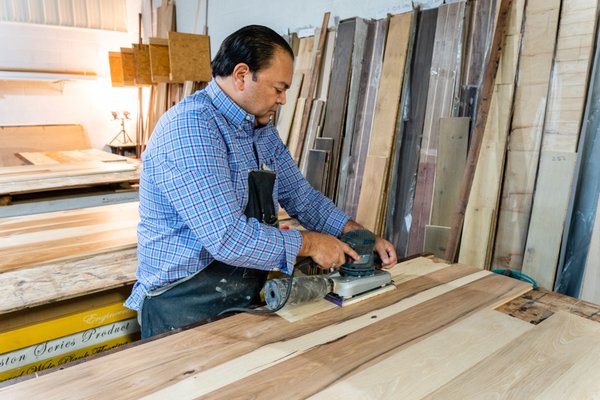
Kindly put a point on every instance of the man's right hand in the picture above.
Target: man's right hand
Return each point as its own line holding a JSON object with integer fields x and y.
{"x": 327, "y": 251}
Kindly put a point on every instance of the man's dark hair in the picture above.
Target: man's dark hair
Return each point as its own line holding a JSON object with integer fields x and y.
{"x": 254, "y": 45}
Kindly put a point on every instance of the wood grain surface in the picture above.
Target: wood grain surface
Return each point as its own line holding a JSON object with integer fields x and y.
{"x": 260, "y": 356}
{"x": 535, "y": 64}
{"x": 42, "y": 238}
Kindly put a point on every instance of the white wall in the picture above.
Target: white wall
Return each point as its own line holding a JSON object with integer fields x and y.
{"x": 74, "y": 101}
{"x": 225, "y": 17}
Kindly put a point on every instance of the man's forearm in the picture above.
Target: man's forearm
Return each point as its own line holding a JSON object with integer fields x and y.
{"x": 352, "y": 225}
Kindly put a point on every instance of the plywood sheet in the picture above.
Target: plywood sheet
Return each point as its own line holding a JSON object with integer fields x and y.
{"x": 128, "y": 66}
{"x": 115, "y": 63}
{"x": 591, "y": 276}
{"x": 141, "y": 60}
{"x": 189, "y": 57}
{"x": 160, "y": 67}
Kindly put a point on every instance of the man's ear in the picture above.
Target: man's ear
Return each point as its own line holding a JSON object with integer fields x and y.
{"x": 241, "y": 72}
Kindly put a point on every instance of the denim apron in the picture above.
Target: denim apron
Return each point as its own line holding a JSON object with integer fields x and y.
{"x": 217, "y": 287}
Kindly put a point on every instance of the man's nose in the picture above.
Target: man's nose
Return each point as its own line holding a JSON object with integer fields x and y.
{"x": 282, "y": 98}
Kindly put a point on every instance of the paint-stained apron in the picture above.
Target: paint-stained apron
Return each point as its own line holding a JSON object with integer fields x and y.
{"x": 217, "y": 287}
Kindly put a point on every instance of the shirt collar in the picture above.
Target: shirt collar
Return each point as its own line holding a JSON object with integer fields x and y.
{"x": 234, "y": 113}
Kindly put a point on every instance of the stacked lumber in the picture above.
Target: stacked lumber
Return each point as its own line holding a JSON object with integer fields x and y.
{"x": 394, "y": 140}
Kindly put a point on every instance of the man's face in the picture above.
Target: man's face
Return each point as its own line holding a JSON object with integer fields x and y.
{"x": 264, "y": 90}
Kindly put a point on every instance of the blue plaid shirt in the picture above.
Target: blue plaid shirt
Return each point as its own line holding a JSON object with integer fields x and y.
{"x": 194, "y": 188}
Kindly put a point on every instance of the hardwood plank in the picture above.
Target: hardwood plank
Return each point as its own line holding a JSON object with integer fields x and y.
{"x": 371, "y": 201}
{"x": 358, "y": 58}
{"x": 297, "y": 122}
{"x": 590, "y": 290}
{"x": 313, "y": 132}
{"x": 286, "y": 114}
{"x": 481, "y": 120}
{"x": 444, "y": 356}
{"x": 436, "y": 238}
{"x": 404, "y": 180}
{"x": 481, "y": 17}
{"x": 539, "y": 39}
{"x": 401, "y": 272}
{"x": 550, "y": 203}
{"x": 570, "y": 75}
{"x": 452, "y": 157}
{"x": 326, "y": 65}
{"x": 249, "y": 370}
{"x": 335, "y": 113}
{"x": 110, "y": 375}
{"x": 364, "y": 118}
{"x": 372, "y": 182}
{"x": 530, "y": 363}
{"x": 441, "y": 92}
{"x": 41, "y": 238}
{"x": 584, "y": 196}
{"x": 56, "y": 281}
{"x": 315, "y": 174}
{"x": 485, "y": 191}
{"x": 309, "y": 93}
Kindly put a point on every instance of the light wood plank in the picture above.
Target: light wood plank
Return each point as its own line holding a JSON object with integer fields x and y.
{"x": 433, "y": 362}
{"x": 570, "y": 74}
{"x": 265, "y": 357}
{"x": 445, "y": 68}
{"x": 16, "y": 139}
{"x": 35, "y": 239}
{"x": 452, "y": 157}
{"x": 286, "y": 114}
{"x": 553, "y": 188}
{"x": 530, "y": 363}
{"x": 539, "y": 39}
{"x": 314, "y": 130}
{"x": 56, "y": 281}
{"x": 485, "y": 191}
{"x": 297, "y": 122}
{"x": 590, "y": 290}
{"x": 372, "y": 198}
{"x": 129, "y": 374}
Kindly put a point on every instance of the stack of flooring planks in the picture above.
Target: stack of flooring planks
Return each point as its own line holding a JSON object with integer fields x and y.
{"x": 389, "y": 143}
{"x": 436, "y": 335}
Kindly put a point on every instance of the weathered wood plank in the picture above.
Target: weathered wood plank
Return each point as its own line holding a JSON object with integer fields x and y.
{"x": 539, "y": 39}
{"x": 445, "y": 69}
{"x": 402, "y": 189}
{"x": 364, "y": 118}
{"x": 384, "y": 120}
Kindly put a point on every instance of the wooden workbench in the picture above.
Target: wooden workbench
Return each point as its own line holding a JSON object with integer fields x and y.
{"x": 436, "y": 335}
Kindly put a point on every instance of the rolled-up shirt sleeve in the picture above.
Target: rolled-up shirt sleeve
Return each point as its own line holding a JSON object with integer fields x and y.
{"x": 300, "y": 200}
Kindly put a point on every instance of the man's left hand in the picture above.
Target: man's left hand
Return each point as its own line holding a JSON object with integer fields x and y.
{"x": 386, "y": 252}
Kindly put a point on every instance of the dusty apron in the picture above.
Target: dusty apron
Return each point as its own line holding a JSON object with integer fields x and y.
{"x": 217, "y": 287}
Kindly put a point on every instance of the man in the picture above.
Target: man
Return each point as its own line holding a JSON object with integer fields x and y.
{"x": 213, "y": 172}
